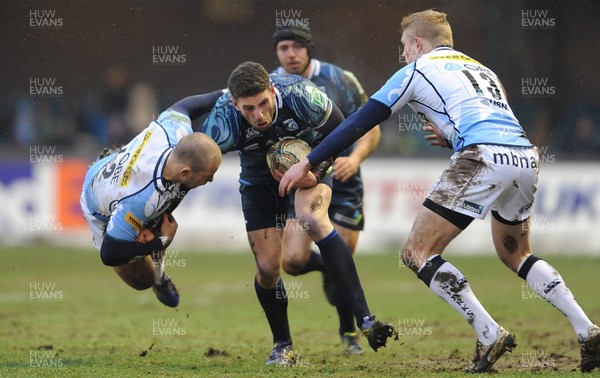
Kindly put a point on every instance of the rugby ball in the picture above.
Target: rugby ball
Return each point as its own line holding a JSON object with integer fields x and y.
{"x": 285, "y": 153}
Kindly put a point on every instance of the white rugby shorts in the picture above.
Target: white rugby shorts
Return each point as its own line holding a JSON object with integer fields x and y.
{"x": 489, "y": 177}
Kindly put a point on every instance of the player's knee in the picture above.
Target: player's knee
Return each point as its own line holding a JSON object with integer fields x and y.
{"x": 140, "y": 282}
{"x": 311, "y": 221}
{"x": 293, "y": 265}
{"x": 142, "y": 285}
{"x": 268, "y": 274}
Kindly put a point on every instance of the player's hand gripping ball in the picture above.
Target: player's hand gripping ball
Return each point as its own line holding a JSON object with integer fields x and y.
{"x": 285, "y": 153}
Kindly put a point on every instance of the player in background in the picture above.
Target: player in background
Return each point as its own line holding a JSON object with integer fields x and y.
{"x": 129, "y": 195}
{"x": 494, "y": 167}
{"x": 294, "y": 47}
{"x": 258, "y": 111}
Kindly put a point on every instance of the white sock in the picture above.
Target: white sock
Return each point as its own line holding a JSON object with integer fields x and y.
{"x": 450, "y": 285}
{"x": 548, "y": 283}
{"x": 159, "y": 266}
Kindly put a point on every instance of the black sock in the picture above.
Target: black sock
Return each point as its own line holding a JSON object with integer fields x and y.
{"x": 426, "y": 274}
{"x": 274, "y": 303}
{"x": 342, "y": 270}
{"x": 344, "y": 311}
{"x": 315, "y": 262}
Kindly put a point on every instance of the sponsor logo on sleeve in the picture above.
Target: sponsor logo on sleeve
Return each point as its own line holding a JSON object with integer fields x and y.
{"x": 133, "y": 220}
{"x": 316, "y": 96}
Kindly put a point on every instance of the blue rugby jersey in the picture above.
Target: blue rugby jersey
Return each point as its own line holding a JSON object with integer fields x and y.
{"x": 344, "y": 89}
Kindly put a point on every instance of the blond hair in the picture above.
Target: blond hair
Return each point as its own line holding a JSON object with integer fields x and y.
{"x": 430, "y": 25}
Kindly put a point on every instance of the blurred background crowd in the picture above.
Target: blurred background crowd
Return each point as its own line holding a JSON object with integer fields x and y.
{"x": 79, "y": 76}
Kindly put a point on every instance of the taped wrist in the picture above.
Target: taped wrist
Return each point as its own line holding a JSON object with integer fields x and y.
{"x": 320, "y": 169}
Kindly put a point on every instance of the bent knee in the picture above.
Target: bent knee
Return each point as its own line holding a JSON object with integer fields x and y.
{"x": 312, "y": 222}
{"x": 293, "y": 266}
{"x": 140, "y": 283}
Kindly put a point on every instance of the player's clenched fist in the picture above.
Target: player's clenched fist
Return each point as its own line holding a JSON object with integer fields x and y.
{"x": 165, "y": 231}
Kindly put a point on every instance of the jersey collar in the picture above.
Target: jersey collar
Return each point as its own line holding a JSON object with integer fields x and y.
{"x": 442, "y": 47}
{"x": 160, "y": 184}
{"x": 315, "y": 69}
{"x": 278, "y": 103}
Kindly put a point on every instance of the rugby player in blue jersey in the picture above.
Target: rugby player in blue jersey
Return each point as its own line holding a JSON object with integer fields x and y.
{"x": 494, "y": 168}
{"x": 128, "y": 195}
{"x": 294, "y": 47}
{"x": 258, "y": 111}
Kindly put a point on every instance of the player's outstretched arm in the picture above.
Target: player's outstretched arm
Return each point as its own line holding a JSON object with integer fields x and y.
{"x": 198, "y": 105}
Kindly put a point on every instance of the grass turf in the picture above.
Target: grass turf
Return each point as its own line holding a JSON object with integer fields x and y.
{"x": 62, "y": 313}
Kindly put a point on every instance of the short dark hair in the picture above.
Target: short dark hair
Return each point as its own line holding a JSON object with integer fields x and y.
{"x": 248, "y": 79}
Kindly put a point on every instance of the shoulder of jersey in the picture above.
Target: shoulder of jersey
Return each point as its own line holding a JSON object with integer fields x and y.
{"x": 224, "y": 100}
{"x": 330, "y": 68}
{"x": 327, "y": 71}
{"x": 449, "y": 54}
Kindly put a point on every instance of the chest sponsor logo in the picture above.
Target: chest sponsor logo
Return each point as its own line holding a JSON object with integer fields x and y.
{"x": 134, "y": 158}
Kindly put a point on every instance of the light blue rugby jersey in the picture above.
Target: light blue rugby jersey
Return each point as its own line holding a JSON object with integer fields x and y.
{"x": 126, "y": 189}
{"x": 463, "y": 98}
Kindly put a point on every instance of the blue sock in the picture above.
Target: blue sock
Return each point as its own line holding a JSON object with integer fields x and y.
{"x": 342, "y": 270}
